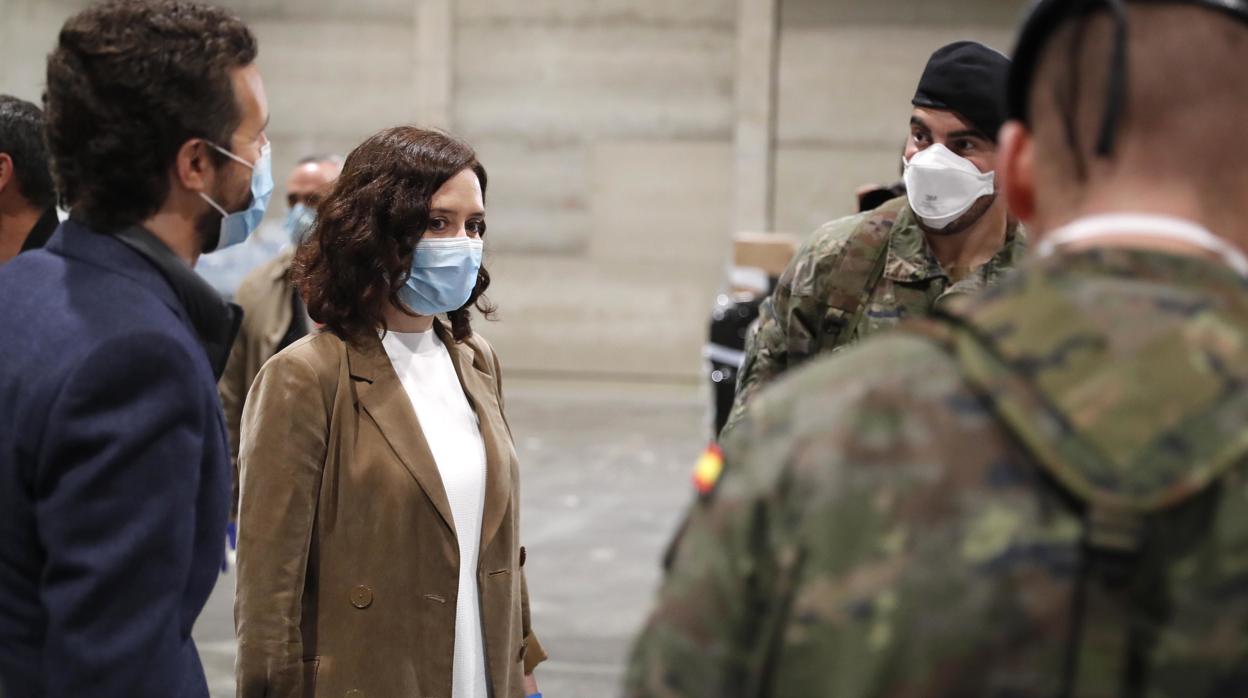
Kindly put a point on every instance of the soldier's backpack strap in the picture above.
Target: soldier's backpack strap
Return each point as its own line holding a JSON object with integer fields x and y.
{"x": 1117, "y": 552}
{"x": 858, "y": 272}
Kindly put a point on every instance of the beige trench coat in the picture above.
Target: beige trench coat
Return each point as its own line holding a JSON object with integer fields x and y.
{"x": 347, "y": 556}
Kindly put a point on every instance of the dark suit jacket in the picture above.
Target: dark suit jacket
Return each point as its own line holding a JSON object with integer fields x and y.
{"x": 114, "y": 475}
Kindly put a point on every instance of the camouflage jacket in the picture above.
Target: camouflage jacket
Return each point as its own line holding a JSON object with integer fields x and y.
{"x": 801, "y": 318}
{"x": 888, "y": 527}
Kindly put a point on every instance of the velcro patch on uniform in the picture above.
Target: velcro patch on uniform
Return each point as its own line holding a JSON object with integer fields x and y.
{"x": 708, "y": 469}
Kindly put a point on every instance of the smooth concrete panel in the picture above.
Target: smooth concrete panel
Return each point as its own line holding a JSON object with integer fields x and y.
{"x": 331, "y": 76}
{"x": 853, "y": 85}
{"x": 617, "y": 11}
{"x": 434, "y": 42}
{"x": 28, "y": 31}
{"x": 816, "y": 185}
{"x": 754, "y": 134}
{"x": 322, "y": 9}
{"x": 924, "y": 14}
{"x": 538, "y": 196}
{"x": 557, "y": 83}
{"x": 602, "y": 320}
{"x": 662, "y": 203}
{"x": 322, "y": 75}
{"x": 606, "y": 126}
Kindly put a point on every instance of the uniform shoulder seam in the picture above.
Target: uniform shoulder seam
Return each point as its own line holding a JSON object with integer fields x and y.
{"x": 837, "y": 232}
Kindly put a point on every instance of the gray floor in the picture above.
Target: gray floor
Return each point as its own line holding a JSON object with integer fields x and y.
{"x": 605, "y": 475}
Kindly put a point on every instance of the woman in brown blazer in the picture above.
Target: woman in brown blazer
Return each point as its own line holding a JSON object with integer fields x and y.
{"x": 379, "y": 545}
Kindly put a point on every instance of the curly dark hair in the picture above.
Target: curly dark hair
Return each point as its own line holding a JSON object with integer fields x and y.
{"x": 359, "y": 253}
{"x": 129, "y": 82}
{"x": 21, "y": 137}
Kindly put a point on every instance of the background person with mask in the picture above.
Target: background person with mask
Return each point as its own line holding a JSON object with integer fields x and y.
{"x": 114, "y": 461}
{"x": 27, "y": 196}
{"x": 379, "y": 526}
{"x": 273, "y": 313}
{"x": 950, "y": 234}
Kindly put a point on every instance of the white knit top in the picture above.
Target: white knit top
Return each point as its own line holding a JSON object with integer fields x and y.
{"x": 424, "y": 366}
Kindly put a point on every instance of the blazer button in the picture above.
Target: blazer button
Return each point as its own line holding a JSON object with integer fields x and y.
{"x": 523, "y": 555}
{"x": 361, "y": 597}
{"x": 354, "y": 693}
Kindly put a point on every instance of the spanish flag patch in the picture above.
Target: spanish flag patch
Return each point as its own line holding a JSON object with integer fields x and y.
{"x": 706, "y": 473}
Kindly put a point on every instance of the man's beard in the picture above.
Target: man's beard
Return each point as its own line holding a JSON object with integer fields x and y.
{"x": 208, "y": 230}
{"x": 208, "y": 225}
{"x": 966, "y": 220}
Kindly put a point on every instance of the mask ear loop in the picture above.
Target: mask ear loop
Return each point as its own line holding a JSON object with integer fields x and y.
{"x": 236, "y": 158}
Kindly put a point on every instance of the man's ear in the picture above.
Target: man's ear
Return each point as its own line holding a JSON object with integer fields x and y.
{"x": 6, "y": 172}
{"x": 193, "y": 169}
{"x": 1016, "y": 158}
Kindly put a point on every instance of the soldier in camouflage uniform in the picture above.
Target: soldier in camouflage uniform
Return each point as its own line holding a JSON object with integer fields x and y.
{"x": 1041, "y": 491}
{"x": 858, "y": 275}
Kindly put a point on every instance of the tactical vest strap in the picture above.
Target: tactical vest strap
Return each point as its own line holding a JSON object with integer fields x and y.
{"x": 1098, "y": 635}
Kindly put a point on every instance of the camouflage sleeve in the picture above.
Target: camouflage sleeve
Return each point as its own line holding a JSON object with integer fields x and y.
{"x": 790, "y": 320}
{"x": 785, "y": 331}
{"x": 693, "y": 643}
{"x": 798, "y": 575}
{"x": 717, "y": 605}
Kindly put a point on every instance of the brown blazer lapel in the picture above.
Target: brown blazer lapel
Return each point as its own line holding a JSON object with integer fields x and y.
{"x": 474, "y": 376}
{"x": 383, "y": 398}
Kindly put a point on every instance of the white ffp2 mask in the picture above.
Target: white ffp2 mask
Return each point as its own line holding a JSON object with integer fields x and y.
{"x": 942, "y": 186}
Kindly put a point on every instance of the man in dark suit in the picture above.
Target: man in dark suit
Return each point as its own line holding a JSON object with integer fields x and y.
{"x": 27, "y": 197}
{"x": 114, "y": 463}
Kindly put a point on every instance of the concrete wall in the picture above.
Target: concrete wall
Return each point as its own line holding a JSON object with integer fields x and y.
{"x": 608, "y": 130}
{"x": 319, "y": 59}
{"x": 27, "y": 31}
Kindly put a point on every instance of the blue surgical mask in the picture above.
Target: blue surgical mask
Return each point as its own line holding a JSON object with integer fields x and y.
{"x": 444, "y": 273}
{"x": 238, "y": 226}
{"x": 299, "y": 222}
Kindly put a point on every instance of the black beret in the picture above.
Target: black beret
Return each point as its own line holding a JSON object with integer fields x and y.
{"x": 968, "y": 78}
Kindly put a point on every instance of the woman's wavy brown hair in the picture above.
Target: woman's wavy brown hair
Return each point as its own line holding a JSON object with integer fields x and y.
{"x": 359, "y": 253}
